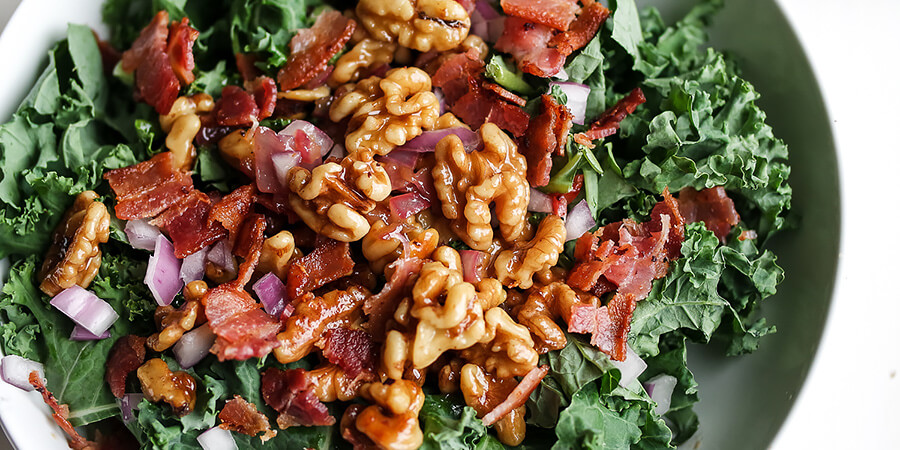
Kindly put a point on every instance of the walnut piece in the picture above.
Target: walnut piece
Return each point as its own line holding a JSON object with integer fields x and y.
{"x": 331, "y": 383}
{"x": 506, "y": 349}
{"x": 312, "y": 317}
{"x": 516, "y": 267}
{"x": 544, "y": 305}
{"x": 367, "y": 54}
{"x": 423, "y": 25}
{"x": 382, "y": 245}
{"x": 392, "y": 422}
{"x": 181, "y": 125}
{"x": 484, "y": 392}
{"x": 158, "y": 383}
{"x": 74, "y": 254}
{"x": 276, "y": 254}
{"x": 173, "y": 323}
{"x": 334, "y": 198}
{"x": 467, "y": 184}
{"x": 236, "y": 148}
{"x": 386, "y": 113}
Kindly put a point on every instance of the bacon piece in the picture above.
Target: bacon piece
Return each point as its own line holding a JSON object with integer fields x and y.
{"x": 246, "y": 335}
{"x": 236, "y": 107}
{"x": 242, "y": 416}
{"x": 382, "y": 305}
{"x": 582, "y": 30}
{"x": 528, "y": 43}
{"x": 352, "y": 350}
{"x": 265, "y": 93}
{"x": 454, "y": 75}
{"x": 180, "y": 50}
{"x": 246, "y": 65}
{"x": 231, "y": 211}
{"x": 156, "y": 82}
{"x": 126, "y": 355}
{"x": 552, "y": 13}
{"x": 710, "y": 206}
{"x": 154, "y": 75}
{"x": 249, "y": 246}
{"x": 518, "y": 396}
{"x": 331, "y": 260}
{"x": 108, "y": 54}
{"x": 224, "y": 301}
{"x": 60, "y": 414}
{"x": 608, "y": 122}
{"x": 608, "y": 325}
{"x": 188, "y": 224}
{"x": 546, "y": 136}
{"x": 148, "y": 188}
{"x": 314, "y": 316}
{"x": 504, "y": 94}
{"x": 152, "y": 39}
{"x": 290, "y": 393}
{"x": 311, "y": 48}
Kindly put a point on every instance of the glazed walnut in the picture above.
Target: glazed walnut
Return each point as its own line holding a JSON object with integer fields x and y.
{"x": 506, "y": 349}
{"x": 331, "y": 383}
{"x": 546, "y": 304}
{"x": 74, "y": 254}
{"x": 484, "y": 392}
{"x": 276, "y": 254}
{"x": 386, "y": 113}
{"x": 334, "y": 198}
{"x": 367, "y": 54}
{"x": 392, "y": 422}
{"x": 158, "y": 383}
{"x": 467, "y": 184}
{"x": 515, "y": 267}
{"x": 312, "y": 317}
{"x": 173, "y": 323}
{"x": 236, "y": 148}
{"x": 423, "y": 25}
{"x": 382, "y": 244}
{"x": 181, "y": 124}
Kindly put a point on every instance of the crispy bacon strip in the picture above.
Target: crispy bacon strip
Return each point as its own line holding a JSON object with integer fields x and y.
{"x": 242, "y": 416}
{"x": 249, "y": 247}
{"x": 546, "y": 136}
{"x": 246, "y": 335}
{"x": 556, "y": 14}
{"x": 608, "y": 122}
{"x": 528, "y": 43}
{"x": 608, "y": 325}
{"x": 224, "y": 301}
{"x": 233, "y": 208}
{"x": 148, "y": 188}
{"x": 291, "y": 394}
{"x": 60, "y": 414}
{"x": 180, "y": 50}
{"x": 504, "y": 94}
{"x": 352, "y": 350}
{"x": 582, "y": 30}
{"x": 381, "y": 306}
{"x": 330, "y": 261}
{"x": 710, "y": 206}
{"x": 518, "y": 396}
{"x": 312, "y": 47}
{"x": 126, "y": 355}
{"x": 265, "y": 93}
{"x": 188, "y": 224}
{"x": 236, "y": 107}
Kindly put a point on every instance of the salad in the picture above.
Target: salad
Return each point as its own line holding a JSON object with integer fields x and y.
{"x": 391, "y": 224}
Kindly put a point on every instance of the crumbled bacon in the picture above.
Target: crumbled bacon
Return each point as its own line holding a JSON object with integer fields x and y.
{"x": 152, "y": 39}
{"x": 242, "y": 416}
{"x": 608, "y": 122}
{"x": 148, "y": 188}
{"x": 60, "y": 414}
{"x": 382, "y": 305}
{"x": 608, "y": 325}
{"x": 311, "y": 48}
{"x": 352, "y": 350}
{"x": 126, "y": 355}
{"x": 710, "y": 206}
{"x": 224, "y": 301}
{"x": 546, "y": 136}
{"x": 249, "y": 246}
{"x": 314, "y": 316}
{"x": 552, "y": 13}
{"x": 187, "y": 224}
{"x": 246, "y": 65}
{"x": 504, "y": 94}
{"x": 233, "y": 208}
{"x": 180, "y": 50}
{"x": 528, "y": 43}
{"x": 582, "y": 30}
{"x": 246, "y": 335}
{"x": 290, "y": 393}
{"x": 331, "y": 260}
{"x": 264, "y": 93}
{"x": 236, "y": 107}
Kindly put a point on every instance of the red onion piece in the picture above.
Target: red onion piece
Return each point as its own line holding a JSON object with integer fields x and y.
{"x": 304, "y": 137}
{"x": 79, "y": 333}
{"x": 426, "y": 142}
{"x": 660, "y": 389}
{"x": 495, "y": 28}
{"x": 485, "y": 9}
{"x": 283, "y": 163}
{"x": 423, "y": 183}
{"x": 518, "y": 396}
{"x": 272, "y": 293}
{"x": 220, "y": 255}
{"x": 16, "y": 369}
{"x": 479, "y": 25}
{"x": 85, "y": 309}
{"x": 631, "y": 368}
{"x": 141, "y": 235}
{"x": 194, "y": 346}
{"x": 338, "y": 151}
{"x": 442, "y": 101}
{"x": 401, "y": 158}
{"x": 406, "y": 205}
{"x": 265, "y": 144}
{"x": 193, "y": 266}
{"x": 540, "y": 202}
{"x": 471, "y": 263}
{"x": 127, "y": 404}
{"x": 163, "y": 273}
{"x": 576, "y": 98}
{"x": 216, "y": 438}
{"x": 579, "y": 221}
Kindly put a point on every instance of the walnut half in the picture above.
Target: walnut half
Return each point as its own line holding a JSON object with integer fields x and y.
{"x": 515, "y": 267}
{"x": 74, "y": 254}
{"x": 423, "y": 25}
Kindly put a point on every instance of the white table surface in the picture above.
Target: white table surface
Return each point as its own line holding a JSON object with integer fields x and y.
{"x": 850, "y": 400}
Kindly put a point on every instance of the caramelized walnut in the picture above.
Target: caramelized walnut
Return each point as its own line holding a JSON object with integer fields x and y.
{"x": 334, "y": 198}
{"x": 506, "y": 349}
{"x": 383, "y": 244}
{"x": 236, "y": 149}
{"x": 516, "y": 267}
{"x": 366, "y": 55}
{"x": 392, "y": 422}
{"x": 312, "y": 317}
{"x": 276, "y": 254}
{"x": 467, "y": 184}
{"x": 74, "y": 254}
{"x": 181, "y": 124}
{"x": 386, "y": 113}
{"x": 331, "y": 383}
{"x": 422, "y": 25}
{"x": 484, "y": 392}
{"x": 158, "y": 383}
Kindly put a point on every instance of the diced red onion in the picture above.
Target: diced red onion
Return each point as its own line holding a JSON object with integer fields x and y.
{"x": 495, "y": 28}
{"x": 471, "y": 263}
{"x": 141, "y": 235}
{"x": 400, "y": 176}
{"x": 423, "y": 182}
{"x": 660, "y": 389}
{"x": 338, "y": 151}
{"x": 406, "y": 205}
{"x": 193, "y": 266}
{"x": 194, "y": 346}
{"x": 127, "y": 404}
{"x": 16, "y": 369}
{"x": 427, "y": 141}
{"x": 561, "y": 75}
{"x": 265, "y": 144}
{"x": 401, "y": 158}
{"x": 539, "y": 202}
{"x": 321, "y": 142}
{"x": 163, "y": 273}
{"x": 85, "y": 309}
{"x": 79, "y": 333}
{"x": 631, "y": 368}
{"x": 576, "y": 98}
{"x": 479, "y": 25}
{"x": 442, "y": 101}
{"x": 216, "y": 438}
{"x": 283, "y": 163}
{"x": 272, "y": 293}
{"x": 485, "y": 9}
{"x": 220, "y": 255}
{"x": 579, "y": 221}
